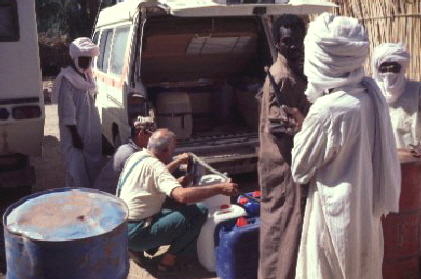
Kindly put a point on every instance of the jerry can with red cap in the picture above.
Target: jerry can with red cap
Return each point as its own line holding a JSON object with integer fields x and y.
{"x": 250, "y": 202}
{"x": 237, "y": 248}
{"x": 205, "y": 241}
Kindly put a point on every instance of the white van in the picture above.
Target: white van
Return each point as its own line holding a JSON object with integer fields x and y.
{"x": 196, "y": 65}
{"x": 21, "y": 98}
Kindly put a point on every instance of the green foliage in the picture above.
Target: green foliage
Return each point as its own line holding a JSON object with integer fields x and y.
{"x": 72, "y": 18}
{"x": 51, "y": 17}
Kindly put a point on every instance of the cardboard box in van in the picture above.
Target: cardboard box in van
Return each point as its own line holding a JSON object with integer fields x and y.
{"x": 206, "y": 55}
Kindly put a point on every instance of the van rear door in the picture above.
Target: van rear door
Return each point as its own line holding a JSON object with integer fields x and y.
{"x": 212, "y": 51}
{"x": 197, "y": 8}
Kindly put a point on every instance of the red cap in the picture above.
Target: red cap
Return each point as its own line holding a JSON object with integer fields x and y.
{"x": 224, "y": 206}
{"x": 257, "y": 194}
{"x": 241, "y": 221}
{"x": 243, "y": 200}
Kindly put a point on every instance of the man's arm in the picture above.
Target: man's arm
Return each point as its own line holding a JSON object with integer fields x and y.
{"x": 179, "y": 160}
{"x": 67, "y": 111}
{"x": 166, "y": 183}
{"x": 416, "y": 146}
{"x": 313, "y": 145}
{"x": 197, "y": 194}
{"x": 279, "y": 115}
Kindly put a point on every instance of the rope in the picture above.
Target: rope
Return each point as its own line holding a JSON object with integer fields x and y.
{"x": 197, "y": 160}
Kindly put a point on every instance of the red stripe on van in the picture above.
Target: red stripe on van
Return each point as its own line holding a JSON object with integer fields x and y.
{"x": 109, "y": 80}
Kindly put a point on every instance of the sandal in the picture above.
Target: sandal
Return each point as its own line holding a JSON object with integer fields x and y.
{"x": 168, "y": 270}
{"x": 138, "y": 257}
{"x": 152, "y": 251}
{"x": 163, "y": 269}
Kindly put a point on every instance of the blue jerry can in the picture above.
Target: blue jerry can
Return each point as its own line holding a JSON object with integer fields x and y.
{"x": 237, "y": 248}
{"x": 251, "y": 203}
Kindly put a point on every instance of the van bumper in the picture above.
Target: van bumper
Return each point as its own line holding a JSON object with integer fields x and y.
{"x": 232, "y": 155}
{"x": 15, "y": 171}
{"x": 233, "y": 164}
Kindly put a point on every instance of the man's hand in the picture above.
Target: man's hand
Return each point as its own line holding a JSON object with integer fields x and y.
{"x": 416, "y": 150}
{"x": 229, "y": 189}
{"x": 185, "y": 180}
{"x": 182, "y": 158}
{"x": 178, "y": 161}
{"x": 292, "y": 121}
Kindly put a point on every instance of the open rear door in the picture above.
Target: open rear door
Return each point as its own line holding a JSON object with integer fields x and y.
{"x": 199, "y": 8}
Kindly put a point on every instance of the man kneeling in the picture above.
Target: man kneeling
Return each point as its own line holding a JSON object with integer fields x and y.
{"x": 144, "y": 184}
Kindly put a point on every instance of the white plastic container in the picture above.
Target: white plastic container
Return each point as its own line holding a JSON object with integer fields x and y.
{"x": 214, "y": 203}
{"x": 220, "y": 210}
{"x": 205, "y": 242}
{"x": 174, "y": 112}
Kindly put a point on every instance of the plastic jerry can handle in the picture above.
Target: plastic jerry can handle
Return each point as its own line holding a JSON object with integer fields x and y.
{"x": 242, "y": 221}
{"x": 243, "y": 201}
{"x": 257, "y": 194}
{"x": 229, "y": 212}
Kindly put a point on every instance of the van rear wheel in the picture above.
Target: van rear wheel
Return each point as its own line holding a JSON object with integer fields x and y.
{"x": 14, "y": 194}
{"x": 107, "y": 147}
{"x": 116, "y": 140}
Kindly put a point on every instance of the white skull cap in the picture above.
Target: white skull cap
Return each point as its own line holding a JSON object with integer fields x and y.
{"x": 143, "y": 119}
{"x": 83, "y": 46}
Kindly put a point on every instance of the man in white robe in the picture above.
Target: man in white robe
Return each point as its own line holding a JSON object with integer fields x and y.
{"x": 346, "y": 152}
{"x": 389, "y": 64}
{"x": 80, "y": 127}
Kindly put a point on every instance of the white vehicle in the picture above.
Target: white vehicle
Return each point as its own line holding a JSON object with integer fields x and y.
{"x": 21, "y": 98}
{"x": 196, "y": 65}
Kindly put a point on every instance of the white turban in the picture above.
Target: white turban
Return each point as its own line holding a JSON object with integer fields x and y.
{"x": 335, "y": 50}
{"x": 148, "y": 122}
{"x": 391, "y": 84}
{"x": 83, "y": 47}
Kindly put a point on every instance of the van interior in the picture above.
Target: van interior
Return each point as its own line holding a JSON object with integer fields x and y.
{"x": 202, "y": 74}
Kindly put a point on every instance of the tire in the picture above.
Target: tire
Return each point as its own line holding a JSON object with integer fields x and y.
{"x": 107, "y": 147}
{"x": 116, "y": 140}
{"x": 12, "y": 195}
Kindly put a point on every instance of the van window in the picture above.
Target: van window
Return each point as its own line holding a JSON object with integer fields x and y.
{"x": 9, "y": 23}
{"x": 105, "y": 50}
{"x": 95, "y": 37}
{"x": 119, "y": 50}
{"x": 219, "y": 45}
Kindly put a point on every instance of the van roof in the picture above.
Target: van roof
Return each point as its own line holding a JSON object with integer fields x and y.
{"x": 125, "y": 11}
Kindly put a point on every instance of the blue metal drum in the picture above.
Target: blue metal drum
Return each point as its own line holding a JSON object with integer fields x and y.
{"x": 67, "y": 233}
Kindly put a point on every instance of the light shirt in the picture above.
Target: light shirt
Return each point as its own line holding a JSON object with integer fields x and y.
{"x": 405, "y": 116}
{"x": 145, "y": 182}
{"x": 76, "y": 107}
{"x": 342, "y": 233}
{"x": 108, "y": 178}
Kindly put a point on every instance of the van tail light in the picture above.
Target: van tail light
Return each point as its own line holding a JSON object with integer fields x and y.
{"x": 25, "y": 112}
{"x": 4, "y": 114}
